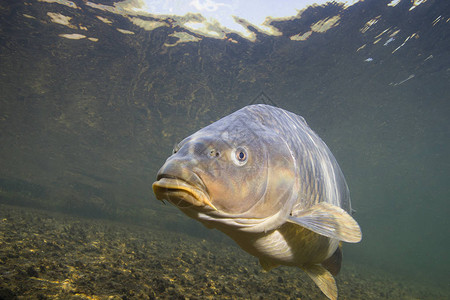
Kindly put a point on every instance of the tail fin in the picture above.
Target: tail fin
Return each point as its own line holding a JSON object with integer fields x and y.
{"x": 323, "y": 279}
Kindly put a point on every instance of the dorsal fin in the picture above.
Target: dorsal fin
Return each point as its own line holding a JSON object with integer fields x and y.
{"x": 333, "y": 263}
{"x": 328, "y": 220}
{"x": 323, "y": 279}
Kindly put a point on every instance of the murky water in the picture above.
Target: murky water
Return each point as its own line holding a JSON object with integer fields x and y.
{"x": 86, "y": 120}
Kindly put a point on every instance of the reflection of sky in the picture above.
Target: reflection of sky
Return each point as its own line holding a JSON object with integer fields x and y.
{"x": 217, "y": 18}
{"x": 223, "y": 11}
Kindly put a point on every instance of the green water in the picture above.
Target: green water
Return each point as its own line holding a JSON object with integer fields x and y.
{"x": 85, "y": 125}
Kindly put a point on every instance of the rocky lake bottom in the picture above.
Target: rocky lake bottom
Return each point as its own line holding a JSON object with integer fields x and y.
{"x": 45, "y": 255}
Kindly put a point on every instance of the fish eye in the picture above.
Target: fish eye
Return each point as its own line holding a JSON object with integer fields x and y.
{"x": 239, "y": 156}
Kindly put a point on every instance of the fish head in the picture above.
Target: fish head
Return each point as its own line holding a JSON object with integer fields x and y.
{"x": 232, "y": 171}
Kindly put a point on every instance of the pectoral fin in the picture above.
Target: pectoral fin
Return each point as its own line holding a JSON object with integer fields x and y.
{"x": 328, "y": 220}
{"x": 323, "y": 279}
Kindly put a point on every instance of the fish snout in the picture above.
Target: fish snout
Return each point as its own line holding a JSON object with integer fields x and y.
{"x": 177, "y": 169}
{"x": 179, "y": 185}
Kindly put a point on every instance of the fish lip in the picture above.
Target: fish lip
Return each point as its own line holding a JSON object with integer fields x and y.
{"x": 195, "y": 181}
{"x": 178, "y": 191}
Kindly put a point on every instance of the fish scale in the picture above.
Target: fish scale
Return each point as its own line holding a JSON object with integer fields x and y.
{"x": 272, "y": 185}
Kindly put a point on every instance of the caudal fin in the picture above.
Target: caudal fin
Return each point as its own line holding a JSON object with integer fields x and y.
{"x": 323, "y": 279}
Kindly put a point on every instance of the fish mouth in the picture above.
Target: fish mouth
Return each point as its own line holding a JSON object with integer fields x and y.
{"x": 180, "y": 192}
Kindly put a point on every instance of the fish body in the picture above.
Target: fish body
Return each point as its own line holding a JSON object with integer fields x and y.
{"x": 264, "y": 178}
